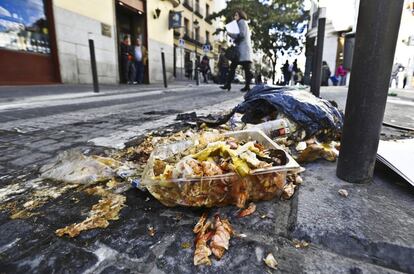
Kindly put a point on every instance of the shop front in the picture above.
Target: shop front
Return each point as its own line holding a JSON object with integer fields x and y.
{"x": 27, "y": 43}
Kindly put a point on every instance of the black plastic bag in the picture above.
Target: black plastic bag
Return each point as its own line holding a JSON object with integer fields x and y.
{"x": 318, "y": 117}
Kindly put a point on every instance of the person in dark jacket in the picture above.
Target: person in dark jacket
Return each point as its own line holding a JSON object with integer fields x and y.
{"x": 295, "y": 71}
{"x": 326, "y": 74}
{"x": 244, "y": 48}
{"x": 223, "y": 65}
{"x": 286, "y": 73}
{"x": 205, "y": 67}
{"x": 127, "y": 60}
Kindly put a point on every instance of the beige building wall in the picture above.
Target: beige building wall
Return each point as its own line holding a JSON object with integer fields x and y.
{"x": 101, "y": 10}
{"x": 76, "y": 21}
{"x": 160, "y": 38}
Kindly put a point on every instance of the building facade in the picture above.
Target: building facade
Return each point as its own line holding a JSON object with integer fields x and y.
{"x": 47, "y": 41}
{"x": 195, "y": 38}
{"x": 341, "y": 20}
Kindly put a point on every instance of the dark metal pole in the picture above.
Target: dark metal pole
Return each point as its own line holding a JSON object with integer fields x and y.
{"x": 196, "y": 65}
{"x": 312, "y": 80}
{"x": 164, "y": 73}
{"x": 93, "y": 66}
{"x": 376, "y": 37}
{"x": 317, "y": 72}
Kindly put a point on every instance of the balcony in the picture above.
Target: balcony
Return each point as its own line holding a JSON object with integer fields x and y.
{"x": 208, "y": 20}
{"x": 175, "y": 3}
{"x": 187, "y": 38}
{"x": 198, "y": 11}
{"x": 188, "y": 5}
{"x": 177, "y": 33}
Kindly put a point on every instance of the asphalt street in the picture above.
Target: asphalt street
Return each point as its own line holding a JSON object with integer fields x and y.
{"x": 35, "y": 127}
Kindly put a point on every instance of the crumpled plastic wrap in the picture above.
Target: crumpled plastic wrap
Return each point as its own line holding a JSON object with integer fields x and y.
{"x": 74, "y": 167}
{"x": 218, "y": 190}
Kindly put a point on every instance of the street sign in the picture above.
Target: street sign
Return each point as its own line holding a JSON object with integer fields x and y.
{"x": 206, "y": 48}
{"x": 181, "y": 43}
{"x": 174, "y": 21}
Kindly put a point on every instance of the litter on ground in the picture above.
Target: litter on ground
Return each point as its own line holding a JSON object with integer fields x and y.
{"x": 248, "y": 155}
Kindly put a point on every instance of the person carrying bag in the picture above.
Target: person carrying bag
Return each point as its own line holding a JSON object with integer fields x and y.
{"x": 241, "y": 54}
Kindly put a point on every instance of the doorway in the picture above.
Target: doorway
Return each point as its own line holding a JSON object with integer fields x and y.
{"x": 131, "y": 21}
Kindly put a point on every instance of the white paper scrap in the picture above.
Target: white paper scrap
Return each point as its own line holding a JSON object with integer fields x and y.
{"x": 233, "y": 27}
{"x": 398, "y": 155}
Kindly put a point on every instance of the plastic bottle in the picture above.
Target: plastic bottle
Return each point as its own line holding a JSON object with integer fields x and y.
{"x": 274, "y": 128}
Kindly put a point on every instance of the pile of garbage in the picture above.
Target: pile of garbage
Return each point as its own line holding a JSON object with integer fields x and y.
{"x": 249, "y": 154}
{"x": 307, "y": 127}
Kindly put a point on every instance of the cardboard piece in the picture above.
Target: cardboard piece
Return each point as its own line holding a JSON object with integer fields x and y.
{"x": 398, "y": 155}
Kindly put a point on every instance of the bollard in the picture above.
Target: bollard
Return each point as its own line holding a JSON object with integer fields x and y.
{"x": 317, "y": 68}
{"x": 93, "y": 66}
{"x": 196, "y": 72}
{"x": 375, "y": 42}
{"x": 164, "y": 73}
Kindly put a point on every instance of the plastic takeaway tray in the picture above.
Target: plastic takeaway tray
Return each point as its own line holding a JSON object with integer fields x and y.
{"x": 219, "y": 190}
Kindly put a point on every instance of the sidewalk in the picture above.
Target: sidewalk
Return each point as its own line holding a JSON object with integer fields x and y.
{"x": 8, "y": 93}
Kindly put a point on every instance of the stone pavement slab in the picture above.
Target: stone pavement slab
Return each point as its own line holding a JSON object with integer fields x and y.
{"x": 373, "y": 224}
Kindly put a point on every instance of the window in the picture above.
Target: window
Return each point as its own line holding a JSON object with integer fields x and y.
{"x": 197, "y": 34}
{"x": 197, "y": 6}
{"x": 207, "y": 37}
{"x": 24, "y": 26}
{"x": 188, "y": 5}
{"x": 207, "y": 10}
{"x": 186, "y": 27}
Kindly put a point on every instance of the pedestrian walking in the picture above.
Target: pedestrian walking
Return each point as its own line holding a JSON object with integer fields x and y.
{"x": 401, "y": 75}
{"x": 326, "y": 74}
{"x": 295, "y": 71}
{"x": 189, "y": 69}
{"x": 405, "y": 81}
{"x": 127, "y": 57}
{"x": 286, "y": 73}
{"x": 223, "y": 65}
{"x": 394, "y": 75}
{"x": 258, "y": 79}
{"x": 141, "y": 58}
{"x": 341, "y": 75}
{"x": 205, "y": 68}
{"x": 245, "y": 52}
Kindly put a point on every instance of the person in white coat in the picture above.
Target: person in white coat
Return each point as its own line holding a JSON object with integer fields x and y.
{"x": 244, "y": 48}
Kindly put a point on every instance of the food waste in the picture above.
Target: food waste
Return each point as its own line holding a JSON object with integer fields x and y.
{"x": 225, "y": 171}
{"x": 217, "y": 158}
{"x": 212, "y": 237}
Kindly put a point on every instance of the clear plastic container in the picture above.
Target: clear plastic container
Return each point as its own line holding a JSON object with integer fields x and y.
{"x": 219, "y": 190}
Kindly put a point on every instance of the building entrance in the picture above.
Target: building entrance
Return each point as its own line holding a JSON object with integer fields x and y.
{"x": 131, "y": 22}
